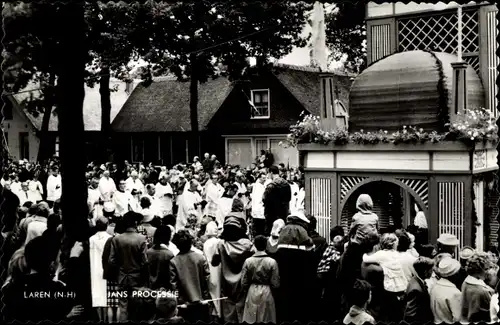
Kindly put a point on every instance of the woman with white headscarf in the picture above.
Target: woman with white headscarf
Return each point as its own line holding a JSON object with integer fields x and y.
{"x": 210, "y": 249}
{"x": 365, "y": 215}
{"x": 272, "y": 242}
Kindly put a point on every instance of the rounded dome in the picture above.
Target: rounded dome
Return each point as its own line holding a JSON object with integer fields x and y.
{"x": 408, "y": 88}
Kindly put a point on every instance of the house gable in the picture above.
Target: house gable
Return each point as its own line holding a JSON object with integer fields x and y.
{"x": 18, "y": 128}
{"x": 292, "y": 90}
{"x": 235, "y": 114}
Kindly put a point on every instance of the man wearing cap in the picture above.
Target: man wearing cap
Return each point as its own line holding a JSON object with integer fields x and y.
{"x": 134, "y": 183}
{"x": 107, "y": 186}
{"x": 446, "y": 298}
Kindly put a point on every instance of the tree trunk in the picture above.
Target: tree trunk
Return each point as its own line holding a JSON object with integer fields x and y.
{"x": 105, "y": 114}
{"x": 70, "y": 95}
{"x": 44, "y": 148}
{"x": 194, "y": 144}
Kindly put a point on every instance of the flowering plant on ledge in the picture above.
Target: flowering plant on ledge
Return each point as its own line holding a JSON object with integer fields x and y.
{"x": 476, "y": 125}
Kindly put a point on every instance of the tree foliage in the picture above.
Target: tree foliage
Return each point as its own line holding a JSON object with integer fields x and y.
{"x": 346, "y": 34}
{"x": 224, "y": 33}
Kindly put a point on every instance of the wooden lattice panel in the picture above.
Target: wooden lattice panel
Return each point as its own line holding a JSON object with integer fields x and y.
{"x": 321, "y": 199}
{"x": 420, "y": 186}
{"x": 381, "y": 41}
{"x": 492, "y": 61}
{"x": 451, "y": 209}
{"x": 347, "y": 183}
{"x": 439, "y": 33}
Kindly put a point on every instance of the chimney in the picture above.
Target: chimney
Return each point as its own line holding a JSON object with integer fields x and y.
{"x": 318, "y": 53}
{"x": 330, "y": 118}
{"x": 459, "y": 88}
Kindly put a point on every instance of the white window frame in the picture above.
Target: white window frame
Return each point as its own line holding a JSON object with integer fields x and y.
{"x": 56, "y": 147}
{"x": 253, "y": 141}
{"x": 344, "y": 114}
{"x": 132, "y": 150}
{"x": 268, "y": 103}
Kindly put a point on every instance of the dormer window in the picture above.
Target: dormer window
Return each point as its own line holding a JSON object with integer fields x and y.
{"x": 260, "y": 101}
{"x": 340, "y": 113}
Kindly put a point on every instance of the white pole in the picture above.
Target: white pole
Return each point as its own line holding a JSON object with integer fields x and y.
{"x": 459, "y": 30}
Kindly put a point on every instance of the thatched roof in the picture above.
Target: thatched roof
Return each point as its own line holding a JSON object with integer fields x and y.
{"x": 304, "y": 84}
{"x": 409, "y": 88}
{"x": 91, "y": 105}
{"x": 163, "y": 106}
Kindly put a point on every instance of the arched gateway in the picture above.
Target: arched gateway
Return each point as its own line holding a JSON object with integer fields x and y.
{"x": 446, "y": 179}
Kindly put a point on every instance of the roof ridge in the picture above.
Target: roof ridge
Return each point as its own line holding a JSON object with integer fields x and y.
{"x": 312, "y": 69}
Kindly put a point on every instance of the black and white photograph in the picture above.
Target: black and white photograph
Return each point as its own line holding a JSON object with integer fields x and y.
{"x": 249, "y": 161}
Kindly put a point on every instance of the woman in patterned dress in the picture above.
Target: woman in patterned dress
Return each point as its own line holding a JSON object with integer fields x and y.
{"x": 110, "y": 275}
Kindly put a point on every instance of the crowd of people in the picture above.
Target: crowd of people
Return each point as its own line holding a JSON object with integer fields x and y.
{"x": 202, "y": 241}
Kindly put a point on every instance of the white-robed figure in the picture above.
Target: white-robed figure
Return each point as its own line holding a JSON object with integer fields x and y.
{"x": 151, "y": 195}
{"x": 294, "y": 201}
{"x": 225, "y": 204}
{"x": 35, "y": 189}
{"x": 93, "y": 194}
{"x": 25, "y": 195}
{"x": 165, "y": 196}
{"x": 189, "y": 204}
{"x": 213, "y": 193}
{"x": 54, "y": 185}
{"x": 122, "y": 199}
{"x": 107, "y": 186}
{"x": 134, "y": 183}
{"x": 98, "y": 284}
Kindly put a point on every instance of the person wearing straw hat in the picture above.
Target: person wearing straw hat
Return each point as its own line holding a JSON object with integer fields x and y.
{"x": 465, "y": 254}
{"x": 447, "y": 244}
{"x": 446, "y": 298}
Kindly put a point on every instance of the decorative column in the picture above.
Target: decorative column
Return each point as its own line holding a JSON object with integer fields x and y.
{"x": 459, "y": 88}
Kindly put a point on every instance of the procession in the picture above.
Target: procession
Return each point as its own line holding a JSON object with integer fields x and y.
{"x": 239, "y": 173}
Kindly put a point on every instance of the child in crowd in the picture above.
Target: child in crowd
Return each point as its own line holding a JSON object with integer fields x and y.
{"x": 359, "y": 298}
{"x": 166, "y": 309}
{"x": 388, "y": 258}
{"x": 365, "y": 214}
{"x": 412, "y": 249}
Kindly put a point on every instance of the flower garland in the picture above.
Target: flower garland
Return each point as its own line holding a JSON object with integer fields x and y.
{"x": 476, "y": 125}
